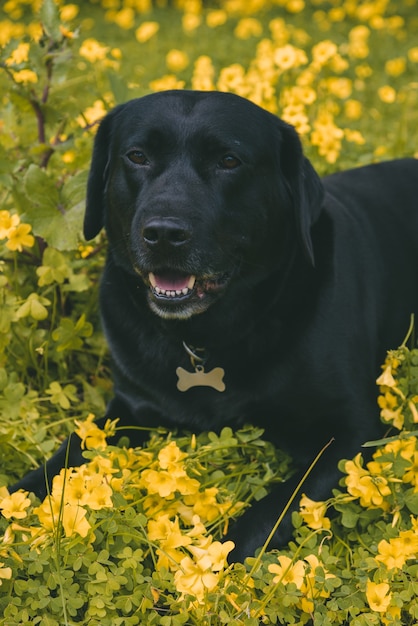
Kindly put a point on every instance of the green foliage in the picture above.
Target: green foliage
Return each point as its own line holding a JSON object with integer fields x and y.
{"x": 345, "y": 75}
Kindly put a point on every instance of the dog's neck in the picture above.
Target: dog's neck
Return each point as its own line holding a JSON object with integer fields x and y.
{"x": 199, "y": 378}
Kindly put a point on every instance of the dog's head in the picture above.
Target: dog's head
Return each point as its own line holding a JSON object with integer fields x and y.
{"x": 197, "y": 190}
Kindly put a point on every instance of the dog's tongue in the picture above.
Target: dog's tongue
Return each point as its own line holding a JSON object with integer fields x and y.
{"x": 171, "y": 281}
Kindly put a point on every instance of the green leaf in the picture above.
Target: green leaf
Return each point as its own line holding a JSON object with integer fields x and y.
{"x": 40, "y": 188}
{"x": 55, "y": 217}
{"x": 69, "y": 335}
{"x": 54, "y": 268}
{"x": 74, "y": 190}
{"x": 119, "y": 87}
{"x": 50, "y": 19}
{"x": 411, "y": 501}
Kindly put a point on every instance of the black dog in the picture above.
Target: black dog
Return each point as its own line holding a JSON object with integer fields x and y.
{"x": 240, "y": 288}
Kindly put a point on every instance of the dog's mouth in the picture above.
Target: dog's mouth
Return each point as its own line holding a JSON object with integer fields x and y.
{"x": 171, "y": 284}
{"x": 177, "y": 295}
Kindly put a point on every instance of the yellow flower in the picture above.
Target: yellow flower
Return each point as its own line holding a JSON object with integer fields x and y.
{"x": 93, "y": 51}
{"x": 393, "y": 613}
{"x": 203, "y": 74}
{"x": 92, "y": 114}
{"x": 232, "y": 78}
{"x": 25, "y": 76}
{"x": 190, "y": 21}
{"x": 214, "y": 552}
{"x": 295, "y": 115}
{"x": 68, "y": 12}
{"x": 337, "y": 14}
{"x": 68, "y": 156}
{"x": 411, "y": 472}
{"x": 310, "y": 588}
{"x": 186, "y": 485}
{"x": 74, "y": 520}
{"x": 295, "y": 6}
{"x": 198, "y": 529}
{"x": 378, "y": 596}
{"x": 19, "y": 55}
{"x": 248, "y": 27}
{"x": 169, "y": 81}
{"x": 146, "y": 31}
{"x": 176, "y": 60}
{"x": 67, "y": 33}
{"x": 5, "y": 572}
{"x": 391, "y": 554}
{"x": 323, "y": 51}
{"x": 54, "y": 511}
{"x": 387, "y": 94}
{"x": 327, "y": 136}
{"x": 10, "y": 30}
{"x": 279, "y": 31}
{"x": 353, "y": 109}
{"x": 116, "y": 53}
{"x": 7, "y": 223}
{"x": 391, "y": 408}
{"x": 35, "y": 31}
{"x": 88, "y": 489}
{"x": 370, "y": 488}
{"x": 170, "y": 456}
{"x": 92, "y": 437}
{"x": 299, "y": 94}
{"x": 387, "y": 378}
{"x": 395, "y": 67}
{"x": 358, "y": 37}
{"x": 288, "y": 57}
{"x": 313, "y": 513}
{"x": 288, "y": 572}
{"x": 75, "y": 487}
{"x": 160, "y": 482}
{"x": 413, "y": 54}
{"x": 15, "y": 505}
{"x": 195, "y": 578}
{"x": 354, "y": 136}
{"x": 216, "y": 18}
{"x": 408, "y": 540}
{"x": 49, "y": 512}
{"x": 405, "y": 447}
{"x": 125, "y": 18}
{"x": 205, "y": 504}
{"x": 169, "y": 537}
{"x": 340, "y": 87}
{"x": 20, "y": 237}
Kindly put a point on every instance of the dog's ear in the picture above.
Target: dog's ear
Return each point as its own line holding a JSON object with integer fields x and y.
{"x": 96, "y": 185}
{"x": 303, "y": 184}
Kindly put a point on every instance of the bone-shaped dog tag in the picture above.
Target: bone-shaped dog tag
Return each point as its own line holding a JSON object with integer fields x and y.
{"x": 200, "y": 378}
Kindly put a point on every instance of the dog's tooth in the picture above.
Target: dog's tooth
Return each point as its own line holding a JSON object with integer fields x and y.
{"x": 178, "y": 292}
{"x": 191, "y": 282}
{"x": 152, "y": 280}
{"x": 185, "y": 291}
{"x": 172, "y": 294}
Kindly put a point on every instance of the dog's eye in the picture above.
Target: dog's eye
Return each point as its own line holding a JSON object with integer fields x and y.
{"x": 137, "y": 157}
{"x": 229, "y": 162}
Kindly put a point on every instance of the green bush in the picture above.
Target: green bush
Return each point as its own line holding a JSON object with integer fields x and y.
{"x": 135, "y": 536}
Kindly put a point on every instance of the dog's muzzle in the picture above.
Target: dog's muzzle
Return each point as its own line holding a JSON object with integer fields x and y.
{"x": 174, "y": 295}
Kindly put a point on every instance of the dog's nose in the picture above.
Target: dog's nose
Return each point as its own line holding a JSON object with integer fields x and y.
{"x": 166, "y": 231}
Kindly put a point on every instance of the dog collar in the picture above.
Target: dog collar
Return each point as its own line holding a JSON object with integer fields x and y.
{"x": 199, "y": 378}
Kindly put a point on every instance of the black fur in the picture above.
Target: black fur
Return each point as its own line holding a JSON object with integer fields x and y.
{"x": 302, "y": 284}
